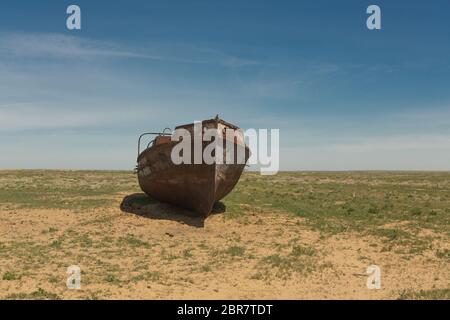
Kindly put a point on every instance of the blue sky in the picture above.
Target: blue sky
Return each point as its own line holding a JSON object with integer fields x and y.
{"x": 343, "y": 97}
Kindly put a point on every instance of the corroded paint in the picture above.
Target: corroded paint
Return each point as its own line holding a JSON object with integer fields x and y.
{"x": 192, "y": 186}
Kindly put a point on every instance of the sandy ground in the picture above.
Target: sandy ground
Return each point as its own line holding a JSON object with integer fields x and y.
{"x": 147, "y": 254}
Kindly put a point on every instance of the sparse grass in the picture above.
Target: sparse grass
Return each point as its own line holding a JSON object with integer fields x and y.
{"x": 391, "y": 234}
{"x": 133, "y": 241}
{"x": 39, "y": 294}
{"x": 187, "y": 253}
{"x": 147, "y": 276}
{"x": 303, "y": 251}
{"x": 257, "y": 276}
{"x": 301, "y": 259}
{"x": 443, "y": 254}
{"x": 85, "y": 241}
{"x": 53, "y": 279}
{"x": 206, "y": 268}
{"x": 235, "y": 251}
{"x": 333, "y": 202}
{"x": 111, "y": 278}
{"x": 395, "y": 207}
{"x": 362, "y": 202}
{"x": 166, "y": 255}
{"x": 56, "y": 244}
{"x": 433, "y": 294}
{"x": 9, "y": 275}
{"x": 53, "y": 189}
{"x": 282, "y": 266}
{"x": 400, "y": 241}
{"x": 92, "y": 296}
{"x": 49, "y": 230}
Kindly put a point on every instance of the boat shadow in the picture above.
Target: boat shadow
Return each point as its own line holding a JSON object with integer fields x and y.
{"x": 142, "y": 205}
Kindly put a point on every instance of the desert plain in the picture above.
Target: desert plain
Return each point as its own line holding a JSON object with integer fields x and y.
{"x": 294, "y": 235}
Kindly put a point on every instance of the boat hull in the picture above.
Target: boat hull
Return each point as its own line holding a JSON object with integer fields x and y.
{"x": 193, "y": 186}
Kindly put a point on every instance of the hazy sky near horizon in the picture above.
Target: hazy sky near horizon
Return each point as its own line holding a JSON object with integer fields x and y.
{"x": 343, "y": 97}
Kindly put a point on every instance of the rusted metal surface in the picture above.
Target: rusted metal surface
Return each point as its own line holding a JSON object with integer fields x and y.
{"x": 193, "y": 186}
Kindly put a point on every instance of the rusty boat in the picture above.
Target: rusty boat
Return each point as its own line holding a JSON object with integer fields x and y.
{"x": 194, "y": 186}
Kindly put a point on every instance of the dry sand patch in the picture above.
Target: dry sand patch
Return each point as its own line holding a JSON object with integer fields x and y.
{"x": 125, "y": 255}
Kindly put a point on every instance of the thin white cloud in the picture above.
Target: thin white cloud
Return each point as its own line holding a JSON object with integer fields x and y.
{"x": 54, "y": 45}
{"x": 399, "y": 142}
{"x": 17, "y": 117}
{"x": 426, "y": 152}
{"x": 61, "y": 46}
{"x": 125, "y": 119}
{"x": 432, "y": 117}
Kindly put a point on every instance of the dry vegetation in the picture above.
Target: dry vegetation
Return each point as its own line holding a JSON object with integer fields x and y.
{"x": 293, "y": 235}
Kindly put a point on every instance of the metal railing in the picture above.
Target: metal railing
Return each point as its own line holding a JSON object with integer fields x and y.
{"x": 163, "y": 133}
